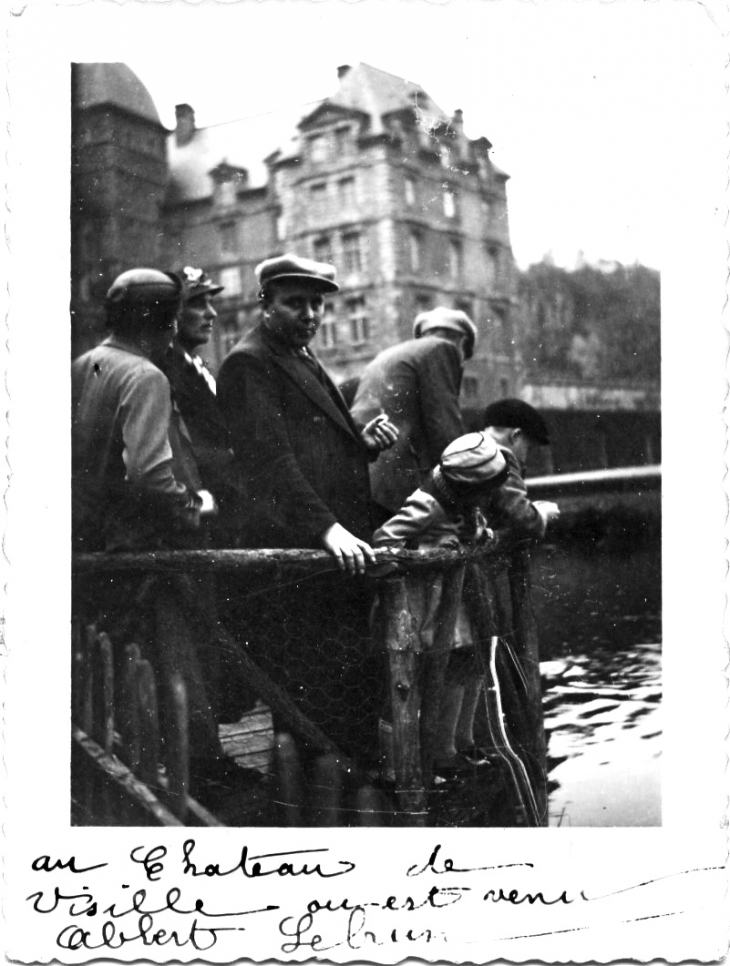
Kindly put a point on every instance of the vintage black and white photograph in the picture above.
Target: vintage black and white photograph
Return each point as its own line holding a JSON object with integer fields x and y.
{"x": 311, "y": 326}
{"x": 389, "y": 460}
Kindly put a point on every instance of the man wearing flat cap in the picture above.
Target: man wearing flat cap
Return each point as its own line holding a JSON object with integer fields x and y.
{"x": 304, "y": 465}
{"x": 517, "y": 427}
{"x": 304, "y": 460}
{"x": 136, "y": 486}
{"x": 194, "y": 392}
{"x": 417, "y": 384}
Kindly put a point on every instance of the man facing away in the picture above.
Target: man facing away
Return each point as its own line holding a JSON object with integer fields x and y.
{"x": 136, "y": 487}
{"x": 135, "y": 482}
{"x": 518, "y": 428}
{"x": 417, "y": 384}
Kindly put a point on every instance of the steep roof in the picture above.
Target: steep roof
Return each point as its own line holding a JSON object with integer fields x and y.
{"x": 247, "y": 142}
{"x": 243, "y": 143}
{"x": 376, "y": 93}
{"x": 113, "y": 84}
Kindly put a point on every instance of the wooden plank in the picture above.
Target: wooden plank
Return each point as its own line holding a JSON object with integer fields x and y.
{"x": 261, "y": 561}
{"x": 177, "y": 753}
{"x": 289, "y": 781}
{"x": 129, "y": 723}
{"x": 326, "y": 793}
{"x": 149, "y": 730}
{"x": 396, "y": 626}
{"x": 123, "y": 778}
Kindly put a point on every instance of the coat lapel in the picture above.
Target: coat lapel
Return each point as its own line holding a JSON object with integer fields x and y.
{"x": 310, "y": 385}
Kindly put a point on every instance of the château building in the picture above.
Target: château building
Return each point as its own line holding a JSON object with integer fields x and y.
{"x": 376, "y": 179}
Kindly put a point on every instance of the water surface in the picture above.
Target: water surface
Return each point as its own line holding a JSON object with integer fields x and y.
{"x": 599, "y": 622}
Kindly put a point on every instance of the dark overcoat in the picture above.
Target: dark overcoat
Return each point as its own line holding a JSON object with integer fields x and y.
{"x": 299, "y": 453}
{"x": 416, "y": 383}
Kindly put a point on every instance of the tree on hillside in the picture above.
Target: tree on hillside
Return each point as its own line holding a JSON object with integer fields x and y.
{"x": 591, "y": 324}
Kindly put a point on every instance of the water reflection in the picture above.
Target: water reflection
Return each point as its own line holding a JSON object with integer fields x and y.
{"x": 599, "y": 619}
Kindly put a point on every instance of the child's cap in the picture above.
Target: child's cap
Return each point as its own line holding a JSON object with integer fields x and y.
{"x": 473, "y": 459}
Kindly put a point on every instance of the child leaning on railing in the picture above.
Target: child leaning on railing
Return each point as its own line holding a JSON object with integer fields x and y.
{"x": 444, "y": 512}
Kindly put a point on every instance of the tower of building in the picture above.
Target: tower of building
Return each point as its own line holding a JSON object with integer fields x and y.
{"x": 119, "y": 177}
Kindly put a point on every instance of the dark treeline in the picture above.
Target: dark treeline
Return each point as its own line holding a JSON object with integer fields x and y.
{"x": 591, "y": 323}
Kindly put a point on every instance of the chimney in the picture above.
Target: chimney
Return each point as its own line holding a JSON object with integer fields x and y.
{"x": 457, "y": 120}
{"x": 342, "y": 71}
{"x": 185, "y": 126}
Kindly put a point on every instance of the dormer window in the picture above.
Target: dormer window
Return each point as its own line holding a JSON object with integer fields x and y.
{"x": 226, "y": 194}
{"x": 227, "y": 180}
{"x": 318, "y": 149}
{"x": 341, "y": 140}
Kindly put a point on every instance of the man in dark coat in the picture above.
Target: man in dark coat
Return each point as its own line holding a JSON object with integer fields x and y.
{"x": 194, "y": 392}
{"x": 303, "y": 459}
{"x": 417, "y": 384}
{"x": 304, "y": 464}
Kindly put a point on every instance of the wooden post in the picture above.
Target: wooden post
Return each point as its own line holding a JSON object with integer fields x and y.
{"x": 177, "y": 756}
{"x": 527, "y": 650}
{"x": 288, "y": 780}
{"x": 369, "y": 807}
{"x": 439, "y": 599}
{"x": 326, "y": 792}
{"x": 129, "y": 712}
{"x": 149, "y": 749}
{"x": 395, "y": 623}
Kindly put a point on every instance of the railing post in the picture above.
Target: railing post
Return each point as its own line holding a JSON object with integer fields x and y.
{"x": 399, "y": 637}
{"x": 528, "y": 651}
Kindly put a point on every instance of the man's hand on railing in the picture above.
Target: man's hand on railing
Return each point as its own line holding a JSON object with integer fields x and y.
{"x": 208, "y": 506}
{"x": 547, "y": 510}
{"x": 351, "y": 553}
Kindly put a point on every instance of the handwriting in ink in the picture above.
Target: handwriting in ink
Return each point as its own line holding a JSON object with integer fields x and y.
{"x": 74, "y": 937}
{"x": 356, "y": 935}
{"x": 152, "y": 861}
{"x": 257, "y": 870}
{"x": 44, "y": 864}
{"x": 516, "y": 898}
{"x": 138, "y": 900}
{"x": 437, "y": 898}
{"x": 448, "y": 866}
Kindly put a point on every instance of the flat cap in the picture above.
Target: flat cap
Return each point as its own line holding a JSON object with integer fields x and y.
{"x": 444, "y": 318}
{"x": 196, "y": 282}
{"x": 517, "y": 414}
{"x": 144, "y": 286}
{"x": 473, "y": 459}
{"x": 291, "y": 266}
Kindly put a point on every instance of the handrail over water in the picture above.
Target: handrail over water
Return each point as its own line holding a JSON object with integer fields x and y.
{"x": 401, "y": 603}
{"x": 261, "y": 561}
{"x": 623, "y": 479}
